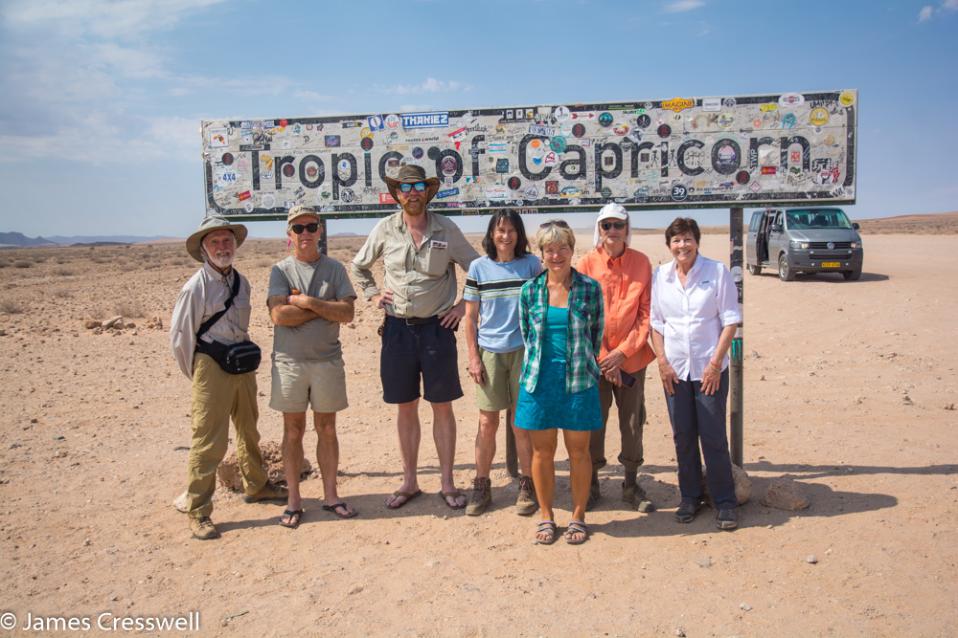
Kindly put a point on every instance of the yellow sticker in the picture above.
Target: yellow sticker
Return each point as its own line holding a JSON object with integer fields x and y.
{"x": 846, "y": 98}
{"x": 364, "y": 132}
{"x": 818, "y": 116}
{"x": 678, "y": 104}
{"x": 768, "y": 106}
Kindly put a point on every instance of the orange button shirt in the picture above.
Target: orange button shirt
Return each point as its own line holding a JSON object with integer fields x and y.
{"x": 627, "y": 291}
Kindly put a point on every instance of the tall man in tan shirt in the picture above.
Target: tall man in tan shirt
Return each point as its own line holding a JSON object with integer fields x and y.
{"x": 419, "y": 251}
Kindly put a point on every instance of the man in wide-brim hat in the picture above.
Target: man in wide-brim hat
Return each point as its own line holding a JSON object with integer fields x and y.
{"x": 217, "y": 395}
{"x": 412, "y": 175}
{"x": 419, "y": 250}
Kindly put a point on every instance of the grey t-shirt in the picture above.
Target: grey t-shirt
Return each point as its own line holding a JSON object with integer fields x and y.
{"x": 316, "y": 340}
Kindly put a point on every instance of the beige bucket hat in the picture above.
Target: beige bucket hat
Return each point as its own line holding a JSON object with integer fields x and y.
{"x": 194, "y": 241}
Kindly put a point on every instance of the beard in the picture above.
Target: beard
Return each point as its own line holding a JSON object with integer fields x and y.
{"x": 415, "y": 208}
{"x": 221, "y": 261}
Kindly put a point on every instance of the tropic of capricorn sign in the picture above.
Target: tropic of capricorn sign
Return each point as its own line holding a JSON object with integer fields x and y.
{"x": 683, "y": 152}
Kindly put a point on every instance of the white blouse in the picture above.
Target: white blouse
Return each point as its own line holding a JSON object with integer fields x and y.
{"x": 691, "y": 318}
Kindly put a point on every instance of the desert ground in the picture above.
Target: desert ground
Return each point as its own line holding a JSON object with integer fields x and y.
{"x": 850, "y": 390}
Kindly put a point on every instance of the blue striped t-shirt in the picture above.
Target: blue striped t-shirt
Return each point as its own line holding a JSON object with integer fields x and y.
{"x": 495, "y": 285}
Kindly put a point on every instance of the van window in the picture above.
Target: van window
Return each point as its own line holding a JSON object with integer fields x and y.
{"x": 756, "y": 222}
{"x": 808, "y": 219}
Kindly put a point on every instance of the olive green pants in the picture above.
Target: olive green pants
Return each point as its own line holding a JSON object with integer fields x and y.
{"x": 217, "y": 396}
{"x": 631, "y": 408}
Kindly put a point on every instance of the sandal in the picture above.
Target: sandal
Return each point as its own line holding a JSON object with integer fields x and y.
{"x": 575, "y": 528}
{"x": 335, "y": 507}
{"x": 455, "y": 495}
{"x": 402, "y": 498}
{"x": 547, "y": 529}
{"x": 293, "y": 517}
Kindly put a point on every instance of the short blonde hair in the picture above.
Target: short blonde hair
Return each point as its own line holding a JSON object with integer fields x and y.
{"x": 554, "y": 232}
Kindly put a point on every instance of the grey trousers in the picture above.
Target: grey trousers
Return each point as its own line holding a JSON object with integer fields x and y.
{"x": 630, "y": 403}
{"x": 699, "y": 418}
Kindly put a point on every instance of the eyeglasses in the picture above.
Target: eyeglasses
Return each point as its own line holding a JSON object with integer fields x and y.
{"x": 554, "y": 222}
{"x": 406, "y": 187}
{"x": 299, "y": 228}
{"x": 610, "y": 225}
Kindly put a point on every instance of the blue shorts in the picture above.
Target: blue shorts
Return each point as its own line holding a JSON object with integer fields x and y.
{"x": 411, "y": 351}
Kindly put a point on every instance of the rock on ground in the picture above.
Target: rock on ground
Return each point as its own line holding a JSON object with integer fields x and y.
{"x": 786, "y": 494}
{"x": 231, "y": 477}
{"x": 743, "y": 485}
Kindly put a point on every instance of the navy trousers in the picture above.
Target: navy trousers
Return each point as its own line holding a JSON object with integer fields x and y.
{"x": 697, "y": 417}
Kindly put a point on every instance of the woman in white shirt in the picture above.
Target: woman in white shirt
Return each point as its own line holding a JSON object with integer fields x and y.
{"x": 695, "y": 311}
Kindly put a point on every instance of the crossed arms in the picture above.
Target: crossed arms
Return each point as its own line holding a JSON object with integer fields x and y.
{"x": 297, "y": 309}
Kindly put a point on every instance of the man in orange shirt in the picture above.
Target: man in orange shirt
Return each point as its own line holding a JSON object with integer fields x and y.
{"x": 626, "y": 279}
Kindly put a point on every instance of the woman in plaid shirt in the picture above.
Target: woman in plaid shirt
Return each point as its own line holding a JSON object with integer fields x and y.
{"x": 560, "y": 315}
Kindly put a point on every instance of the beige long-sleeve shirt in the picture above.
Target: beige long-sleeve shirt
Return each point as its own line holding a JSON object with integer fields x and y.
{"x": 202, "y": 296}
{"x": 423, "y": 278}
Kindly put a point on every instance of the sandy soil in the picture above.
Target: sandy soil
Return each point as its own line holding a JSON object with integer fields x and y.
{"x": 850, "y": 389}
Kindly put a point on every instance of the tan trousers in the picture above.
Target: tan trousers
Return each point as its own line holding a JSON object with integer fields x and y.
{"x": 631, "y": 408}
{"x": 217, "y": 396}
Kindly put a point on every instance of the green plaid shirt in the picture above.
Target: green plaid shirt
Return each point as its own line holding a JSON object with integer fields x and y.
{"x": 585, "y": 330}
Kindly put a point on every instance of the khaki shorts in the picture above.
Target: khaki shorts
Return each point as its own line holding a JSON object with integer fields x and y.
{"x": 502, "y": 380}
{"x": 298, "y": 384}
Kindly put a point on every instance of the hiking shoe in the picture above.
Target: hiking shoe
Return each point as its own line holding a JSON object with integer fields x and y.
{"x": 727, "y": 519}
{"x": 595, "y": 493}
{"x": 526, "y": 501}
{"x": 635, "y": 496}
{"x": 687, "y": 510}
{"x": 480, "y": 498}
{"x": 269, "y": 492}
{"x": 203, "y": 529}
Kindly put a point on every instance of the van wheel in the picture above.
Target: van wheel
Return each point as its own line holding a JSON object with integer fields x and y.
{"x": 784, "y": 272}
{"x": 852, "y": 275}
{"x": 753, "y": 270}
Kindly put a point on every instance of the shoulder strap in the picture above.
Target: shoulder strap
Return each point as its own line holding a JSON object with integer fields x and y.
{"x": 229, "y": 302}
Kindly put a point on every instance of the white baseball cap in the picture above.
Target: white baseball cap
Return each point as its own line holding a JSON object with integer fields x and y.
{"x": 612, "y": 211}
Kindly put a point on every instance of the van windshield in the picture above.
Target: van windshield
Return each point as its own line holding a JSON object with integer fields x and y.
{"x": 817, "y": 218}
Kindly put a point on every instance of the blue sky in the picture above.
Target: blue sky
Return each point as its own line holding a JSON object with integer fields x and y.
{"x": 102, "y": 101}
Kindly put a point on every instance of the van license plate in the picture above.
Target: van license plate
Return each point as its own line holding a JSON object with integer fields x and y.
{"x": 831, "y": 264}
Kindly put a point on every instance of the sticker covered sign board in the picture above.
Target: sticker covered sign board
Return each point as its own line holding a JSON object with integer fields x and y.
{"x": 685, "y": 152}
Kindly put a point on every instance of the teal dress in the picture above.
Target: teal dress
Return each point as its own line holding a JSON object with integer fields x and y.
{"x": 549, "y": 406}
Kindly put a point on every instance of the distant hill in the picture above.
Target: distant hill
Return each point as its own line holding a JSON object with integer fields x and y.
{"x": 107, "y": 239}
{"x": 19, "y": 240}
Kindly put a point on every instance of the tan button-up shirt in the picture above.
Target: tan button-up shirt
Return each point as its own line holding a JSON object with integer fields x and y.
{"x": 423, "y": 278}
{"x": 202, "y": 296}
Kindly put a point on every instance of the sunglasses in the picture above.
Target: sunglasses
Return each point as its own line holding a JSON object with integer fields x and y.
{"x": 419, "y": 186}
{"x": 299, "y": 228}
{"x": 554, "y": 222}
{"x": 610, "y": 225}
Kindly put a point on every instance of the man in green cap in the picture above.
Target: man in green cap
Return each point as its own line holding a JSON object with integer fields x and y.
{"x": 217, "y": 394}
{"x": 309, "y": 297}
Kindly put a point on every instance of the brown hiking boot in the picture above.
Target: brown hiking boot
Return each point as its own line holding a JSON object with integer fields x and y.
{"x": 203, "y": 529}
{"x": 481, "y": 496}
{"x": 635, "y": 496}
{"x": 268, "y": 492}
{"x": 526, "y": 501}
{"x": 595, "y": 493}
